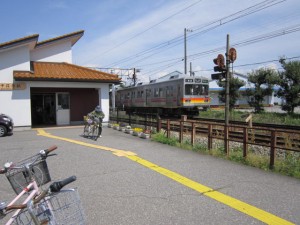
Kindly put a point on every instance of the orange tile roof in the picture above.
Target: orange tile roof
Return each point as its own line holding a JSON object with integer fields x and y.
{"x": 50, "y": 71}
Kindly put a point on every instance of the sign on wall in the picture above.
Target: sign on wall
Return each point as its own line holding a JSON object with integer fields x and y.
{"x": 12, "y": 86}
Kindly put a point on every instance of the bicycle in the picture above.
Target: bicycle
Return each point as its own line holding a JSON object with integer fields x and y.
{"x": 91, "y": 127}
{"x": 50, "y": 206}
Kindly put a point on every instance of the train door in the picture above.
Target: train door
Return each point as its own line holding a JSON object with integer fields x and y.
{"x": 179, "y": 95}
{"x": 148, "y": 97}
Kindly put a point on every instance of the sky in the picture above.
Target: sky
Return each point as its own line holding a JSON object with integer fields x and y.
{"x": 149, "y": 34}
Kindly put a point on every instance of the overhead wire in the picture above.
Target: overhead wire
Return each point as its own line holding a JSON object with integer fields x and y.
{"x": 216, "y": 23}
{"x": 149, "y": 28}
{"x": 253, "y": 40}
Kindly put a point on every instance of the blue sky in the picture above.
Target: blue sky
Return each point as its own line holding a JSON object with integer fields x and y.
{"x": 148, "y": 34}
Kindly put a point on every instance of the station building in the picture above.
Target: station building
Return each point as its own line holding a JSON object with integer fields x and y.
{"x": 39, "y": 84}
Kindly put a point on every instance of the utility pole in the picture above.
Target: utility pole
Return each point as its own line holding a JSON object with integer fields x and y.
{"x": 134, "y": 77}
{"x": 185, "y": 50}
{"x": 191, "y": 71}
{"x": 185, "y": 69}
{"x": 224, "y": 69}
{"x": 226, "y": 133}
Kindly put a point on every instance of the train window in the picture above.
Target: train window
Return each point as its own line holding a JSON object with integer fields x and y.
{"x": 160, "y": 92}
{"x": 205, "y": 89}
{"x": 198, "y": 89}
{"x": 142, "y": 94}
{"x": 156, "y": 92}
{"x": 189, "y": 89}
{"x": 148, "y": 92}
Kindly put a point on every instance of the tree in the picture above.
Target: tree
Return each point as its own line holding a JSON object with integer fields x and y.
{"x": 234, "y": 86}
{"x": 289, "y": 85}
{"x": 263, "y": 81}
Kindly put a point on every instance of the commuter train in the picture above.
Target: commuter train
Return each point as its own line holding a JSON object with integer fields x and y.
{"x": 174, "y": 95}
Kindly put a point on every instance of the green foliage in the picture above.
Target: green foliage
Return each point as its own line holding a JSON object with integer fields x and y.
{"x": 289, "y": 85}
{"x": 161, "y": 138}
{"x": 290, "y": 165}
{"x": 234, "y": 85}
{"x": 263, "y": 81}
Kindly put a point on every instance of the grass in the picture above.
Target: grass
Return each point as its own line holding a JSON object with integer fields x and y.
{"x": 288, "y": 165}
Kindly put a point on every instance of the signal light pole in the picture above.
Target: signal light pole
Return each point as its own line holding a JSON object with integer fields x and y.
{"x": 226, "y": 133}
{"x": 185, "y": 51}
{"x": 223, "y": 67}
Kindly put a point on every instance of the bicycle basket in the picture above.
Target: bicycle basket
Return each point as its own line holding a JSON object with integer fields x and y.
{"x": 60, "y": 208}
{"x": 19, "y": 177}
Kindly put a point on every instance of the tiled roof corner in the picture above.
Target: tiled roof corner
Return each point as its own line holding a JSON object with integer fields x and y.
{"x": 50, "y": 71}
{"x": 19, "y": 41}
{"x": 75, "y": 35}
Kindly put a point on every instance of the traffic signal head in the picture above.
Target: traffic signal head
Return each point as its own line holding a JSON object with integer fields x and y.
{"x": 221, "y": 68}
{"x": 218, "y": 76}
{"x": 220, "y": 62}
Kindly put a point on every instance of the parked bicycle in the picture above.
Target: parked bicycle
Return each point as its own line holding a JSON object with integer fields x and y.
{"x": 34, "y": 204}
{"x": 91, "y": 127}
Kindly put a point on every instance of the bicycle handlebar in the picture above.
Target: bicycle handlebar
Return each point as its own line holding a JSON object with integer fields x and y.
{"x": 57, "y": 186}
{"x": 48, "y": 150}
{"x": 44, "y": 153}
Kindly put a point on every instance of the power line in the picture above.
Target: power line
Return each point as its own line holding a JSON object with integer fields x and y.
{"x": 207, "y": 27}
{"x": 140, "y": 33}
{"x": 246, "y": 42}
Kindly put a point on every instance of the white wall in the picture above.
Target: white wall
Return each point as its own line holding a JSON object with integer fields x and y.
{"x": 104, "y": 101}
{"x": 60, "y": 52}
{"x": 15, "y": 103}
{"x": 15, "y": 59}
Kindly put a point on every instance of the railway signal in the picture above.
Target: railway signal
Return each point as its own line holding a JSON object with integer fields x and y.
{"x": 220, "y": 67}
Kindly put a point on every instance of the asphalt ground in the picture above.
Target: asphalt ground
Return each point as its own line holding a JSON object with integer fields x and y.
{"x": 123, "y": 179}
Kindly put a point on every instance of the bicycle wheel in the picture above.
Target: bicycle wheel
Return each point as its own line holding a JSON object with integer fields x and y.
{"x": 87, "y": 130}
{"x": 95, "y": 132}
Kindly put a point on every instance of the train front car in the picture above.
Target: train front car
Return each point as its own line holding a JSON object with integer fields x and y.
{"x": 195, "y": 95}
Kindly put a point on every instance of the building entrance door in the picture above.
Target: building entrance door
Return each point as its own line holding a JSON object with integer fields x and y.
{"x": 43, "y": 109}
{"x": 62, "y": 108}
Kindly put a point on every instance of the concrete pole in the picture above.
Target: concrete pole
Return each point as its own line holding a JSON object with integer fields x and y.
{"x": 226, "y": 133}
{"x": 185, "y": 57}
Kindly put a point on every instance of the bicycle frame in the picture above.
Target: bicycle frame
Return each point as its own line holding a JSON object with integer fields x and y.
{"x": 32, "y": 194}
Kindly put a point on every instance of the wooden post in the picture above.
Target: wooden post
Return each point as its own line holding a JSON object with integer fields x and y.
{"x": 158, "y": 128}
{"x": 273, "y": 146}
{"x": 245, "y": 142}
{"x": 168, "y": 128}
{"x": 210, "y": 139}
{"x": 181, "y": 132}
{"x": 193, "y": 134}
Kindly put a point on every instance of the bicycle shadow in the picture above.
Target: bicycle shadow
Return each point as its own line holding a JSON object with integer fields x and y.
{"x": 95, "y": 138}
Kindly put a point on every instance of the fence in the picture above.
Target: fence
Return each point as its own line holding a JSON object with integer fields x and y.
{"x": 274, "y": 139}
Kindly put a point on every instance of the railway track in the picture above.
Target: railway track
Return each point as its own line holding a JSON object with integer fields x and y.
{"x": 262, "y": 125}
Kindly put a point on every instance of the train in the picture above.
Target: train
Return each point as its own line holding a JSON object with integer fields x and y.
{"x": 175, "y": 95}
